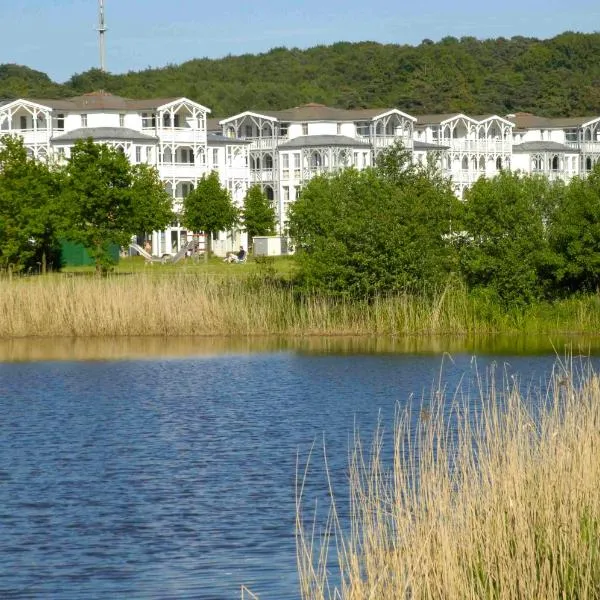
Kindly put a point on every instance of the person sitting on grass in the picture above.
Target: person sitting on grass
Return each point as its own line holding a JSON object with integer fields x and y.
{"x": 238, "y": 257}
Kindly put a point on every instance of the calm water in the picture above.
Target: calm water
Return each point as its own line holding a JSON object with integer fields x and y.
{"x": 174, "y": 477}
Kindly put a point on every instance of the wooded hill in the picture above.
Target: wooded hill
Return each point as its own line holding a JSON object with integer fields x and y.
{"x": 558, "y": 76}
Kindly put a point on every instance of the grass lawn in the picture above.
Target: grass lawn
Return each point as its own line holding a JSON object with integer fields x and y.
{"x": 283, "y": 266}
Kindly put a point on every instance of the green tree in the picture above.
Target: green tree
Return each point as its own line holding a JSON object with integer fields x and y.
{"x": 107, "y": 200}
{"x": 258, "y": 213}
{"x": 364, "y": 233}
{"x": 152, "y": 204}
{"x": 506, "y": 249}
{"x": 209, "y": 208}
{"x": 575, "y": 235}
{"x": 29, "y": 208}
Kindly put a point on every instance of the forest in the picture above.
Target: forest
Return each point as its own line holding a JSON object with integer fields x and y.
{"x": 552, "y": 77}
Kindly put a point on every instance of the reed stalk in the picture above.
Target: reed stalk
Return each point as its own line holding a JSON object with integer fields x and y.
{"x": 180, "y": 304}
{"x": 493, "y": 499}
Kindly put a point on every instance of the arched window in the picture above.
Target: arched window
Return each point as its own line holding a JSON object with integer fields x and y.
{"x": 269, "y": 193}
{"x": 268, "y": 162}
{"x": 482, "y": 163}
{"x": 499, "y": 163}
{"x": 554, "y": 163}
{"x": 481, "y": 133}
{"x": 588, "y": 164}
{"x": 267, "y": 130}
{"x": 465, "y": 163}
{"x": 316, "y": 160}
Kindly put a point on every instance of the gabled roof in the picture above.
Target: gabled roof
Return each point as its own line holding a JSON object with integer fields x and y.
{"x": 524, "y": 120}
{"x": 544, "y": 146}
{"x": 104, "y": 101}
{"x": 418, "y": 145}
{"x": 104, "y": 134}
{"x": 310, "y": 141}
{"x": 319, "y": 112}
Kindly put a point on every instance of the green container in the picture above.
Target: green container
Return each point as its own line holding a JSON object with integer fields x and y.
{"x": 76, "y": 255}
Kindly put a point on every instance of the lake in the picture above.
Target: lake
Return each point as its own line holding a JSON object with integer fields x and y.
{"x": 157, "y": 468}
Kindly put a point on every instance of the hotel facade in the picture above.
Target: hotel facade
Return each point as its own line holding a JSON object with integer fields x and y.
{"x": 282, "y": 150}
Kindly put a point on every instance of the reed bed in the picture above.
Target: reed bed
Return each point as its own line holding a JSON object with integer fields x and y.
{"x": 191, "y": 304}
{"x": 493, "y": 499}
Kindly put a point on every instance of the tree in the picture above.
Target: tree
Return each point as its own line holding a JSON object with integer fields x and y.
{"x": 107, "y": 200}
{"x": 258, "y": 213}
{"x": 30, "y": 213}
{"x": 364, "y": 233}
{"x": 575, "y": 235}
{"x": 152, "y": 204}
{"x": 506, "y": 249}
{"x": 209, "y": 208}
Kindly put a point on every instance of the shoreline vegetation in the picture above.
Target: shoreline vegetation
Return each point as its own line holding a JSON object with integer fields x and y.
{"x": 189, "y": 302}
{"x": 496, "y": 496}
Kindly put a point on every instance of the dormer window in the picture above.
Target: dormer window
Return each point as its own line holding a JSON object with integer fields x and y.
{"x": 148, "y": 120}
{"x": 363, "y": 128}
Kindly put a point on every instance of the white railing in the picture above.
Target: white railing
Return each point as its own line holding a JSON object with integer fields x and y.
{"x": 186, "y": 170}
{"x": 178, "y": 134}
{"x": 262, "y": 174}
{"x": 384, "y": 141}
{"x": 261, "y": 143}
{"x": 478, "y": 146}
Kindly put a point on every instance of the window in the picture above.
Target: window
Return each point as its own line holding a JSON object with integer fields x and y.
{"x": 248, "y": 131}
{"x": 435, "y": 134}
{"x": 286, "y": 193}
{"x": 148, "y": 154}
{"x": 339, "y": 129}
{"x": 285, "y": 165}
{"x": 215, "y": 156}
{"x": 60, "y": 121}
{"x": 186, "y": 188}
{"x": 297, "y": 165}
{"x": 122, "y": 121}
{"x": 61, "y": 153}
{"x": 304, "y": 128}
{"x": 166, "y": 120}
{"x": 23, "y": 121}
{"x": 362, "y": 128}
{"x": 175, "y": 120}
{"x": 187, "y": 156}
{"x": 571, "y": 135}
{"x": 148, "y": 120}
{"x": 283, "y": 129}
{"x": 84, "y": 120}
{"x": 138, "y": 154}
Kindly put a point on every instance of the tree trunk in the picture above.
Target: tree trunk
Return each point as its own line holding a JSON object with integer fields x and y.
{"x": 44, "y": 262}
{"x": 208, "y": 246}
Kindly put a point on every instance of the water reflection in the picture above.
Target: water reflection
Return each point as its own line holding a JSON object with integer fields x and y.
{"x": 123, "y": 348}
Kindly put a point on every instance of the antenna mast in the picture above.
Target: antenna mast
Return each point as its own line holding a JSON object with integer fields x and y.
{"x": 102, "y": 29}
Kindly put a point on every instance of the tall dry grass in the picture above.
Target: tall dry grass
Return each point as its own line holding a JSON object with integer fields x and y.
{"x": 189, "y": 304}
{"x": 504, "y": 505}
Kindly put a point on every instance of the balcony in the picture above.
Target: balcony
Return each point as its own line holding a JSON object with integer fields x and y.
{"x": 480, "y": 146}
{"x": 31, "y": 136}
{"x": 183, "y": 170}
{"x": 384, "y": 141}
{"x": 261, "y": 143}
{"x": 177, "y": 134}
{"x": 261, "y": 174}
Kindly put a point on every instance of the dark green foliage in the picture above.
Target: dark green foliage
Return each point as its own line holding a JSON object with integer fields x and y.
{"x": 30, "y": 212}
{"x": 575, "y": 235}
{"x": 554, "y": 77}
{"x": 505, "y": 250}
{"x": 371, "y": 232}
{"x": 209, "y": 208}
{"x": 107, "y": 201}
{"x": 258, "y": 213}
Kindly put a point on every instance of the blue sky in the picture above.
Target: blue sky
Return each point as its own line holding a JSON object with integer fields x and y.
{"x": 58, "y": 37}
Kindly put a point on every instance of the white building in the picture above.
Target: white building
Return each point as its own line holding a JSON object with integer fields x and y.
{"x": 289, "y": 147}
{"x": 282, "y": 150}
{"x": 170, "y": 134}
